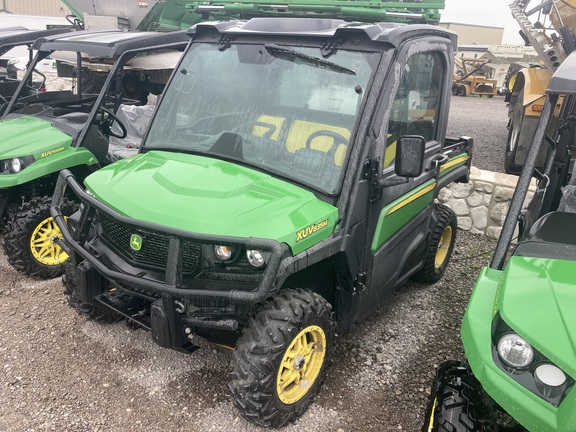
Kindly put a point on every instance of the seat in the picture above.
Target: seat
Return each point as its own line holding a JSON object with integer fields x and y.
{"x": 552, "y": 236}
{"x": 301, "y": 134}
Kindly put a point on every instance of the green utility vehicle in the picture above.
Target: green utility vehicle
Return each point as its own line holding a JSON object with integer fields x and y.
{"x": 17, "y": 41}
{"x": 519, "y": 330}
{"x": 69, "y": 126}
{"x": 285, "y": 187}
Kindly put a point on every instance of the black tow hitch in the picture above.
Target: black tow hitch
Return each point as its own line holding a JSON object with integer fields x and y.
{"x": 167, "y": 328}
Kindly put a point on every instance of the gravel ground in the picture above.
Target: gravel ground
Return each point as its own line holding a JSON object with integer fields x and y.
{"x": 486, "y": 121}
{"x": 60, "y": 372}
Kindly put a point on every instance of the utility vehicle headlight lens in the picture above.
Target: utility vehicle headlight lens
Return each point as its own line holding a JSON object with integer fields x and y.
{"x": 550, "y": 380}
{"x": 255, "y": 258}
{"x": 15, "y": 165}
{"x": 224, "y": 253}
{"x": 515, "y": 351}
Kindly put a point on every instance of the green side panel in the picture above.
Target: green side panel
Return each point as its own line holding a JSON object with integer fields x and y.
{"x": 495, "y": 289}
{"x": 51, "y": 148}
{"x": 396, "y": 214}
{"x": 453, "y": 163}
{"x": 210, "y": 196}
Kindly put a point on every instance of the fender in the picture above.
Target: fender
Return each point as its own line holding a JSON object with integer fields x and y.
{"x": 532, "y": 82}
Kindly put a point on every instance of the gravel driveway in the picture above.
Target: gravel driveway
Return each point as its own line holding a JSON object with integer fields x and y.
{"x": 60, "y": 372}
{"x": 486, "y": 121}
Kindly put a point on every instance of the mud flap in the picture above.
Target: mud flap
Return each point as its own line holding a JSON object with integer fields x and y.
{"x": 159, "y": 325}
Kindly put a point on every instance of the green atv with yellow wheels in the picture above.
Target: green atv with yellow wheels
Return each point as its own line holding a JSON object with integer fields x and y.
{"x": 519, "y": 329}
{"x": 266, "y": 212}
{"x": 75, "y": 122}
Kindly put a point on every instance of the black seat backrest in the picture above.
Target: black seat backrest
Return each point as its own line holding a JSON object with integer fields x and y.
{"x": 551, "y": 236}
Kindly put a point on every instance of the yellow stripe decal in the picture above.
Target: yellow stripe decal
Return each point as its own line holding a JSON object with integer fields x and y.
{"x": 454, "y": 162}
{"x": 411, "y": 198}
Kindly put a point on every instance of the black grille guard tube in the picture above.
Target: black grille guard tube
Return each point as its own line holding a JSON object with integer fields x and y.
{"x": 263, "y": 291}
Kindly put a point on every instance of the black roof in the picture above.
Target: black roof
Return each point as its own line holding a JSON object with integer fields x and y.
{"x": 108, "y": 43}
{"x": 322, "y": 28}
{"x": 16, "y": 36}
{"x": 564, "y": 79}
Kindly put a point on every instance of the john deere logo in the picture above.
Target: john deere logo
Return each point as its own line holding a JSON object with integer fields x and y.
{"x": 136, "y": 242}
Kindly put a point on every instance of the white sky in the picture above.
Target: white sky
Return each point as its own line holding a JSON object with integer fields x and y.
{"x": 493, "y": 13}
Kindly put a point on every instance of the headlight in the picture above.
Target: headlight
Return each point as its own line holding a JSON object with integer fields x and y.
{"x": 15, "y": 165}
{"x": 224, "y": 253}
{"x": 515, "y": 351}
{"x": 255, "y": 258}
{"x": 549, "y": 380}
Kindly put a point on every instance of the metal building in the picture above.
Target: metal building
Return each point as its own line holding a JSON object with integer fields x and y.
{"x": 475, "y": 34}
{"x": 53, "y": 8}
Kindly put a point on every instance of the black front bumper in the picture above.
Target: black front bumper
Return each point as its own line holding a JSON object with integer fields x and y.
{"x": 162, "y": 294}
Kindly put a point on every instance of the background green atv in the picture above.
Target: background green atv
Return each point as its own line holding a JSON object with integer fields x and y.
{"x": 264, "y": 210}
{"x": 44, "y": 132}
{"x": 15, "y": 42}
{"x": 519, "y": 330}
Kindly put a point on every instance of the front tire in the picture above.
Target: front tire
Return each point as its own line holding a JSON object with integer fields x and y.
{"x": 281, "y": 358}
{"x": 28, "y": 242}
{"x": 440, "y": 247}
{"x": 87, "y": 310}
{"x": 459, "y": 402}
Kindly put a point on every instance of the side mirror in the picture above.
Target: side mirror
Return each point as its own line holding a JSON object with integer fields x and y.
{"x": 410, "y": 156}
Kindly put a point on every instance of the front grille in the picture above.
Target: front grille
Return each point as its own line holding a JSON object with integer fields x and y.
{"x": 153, "y": 253}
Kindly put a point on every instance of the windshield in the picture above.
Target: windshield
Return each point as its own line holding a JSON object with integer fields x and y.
{"x": 285, "y": 110}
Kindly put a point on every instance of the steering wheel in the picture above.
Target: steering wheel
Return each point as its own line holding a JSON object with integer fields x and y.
{"x": 106, "y": 124}
{"x": 31, "y": 85}
{"x": 338, "y": 139}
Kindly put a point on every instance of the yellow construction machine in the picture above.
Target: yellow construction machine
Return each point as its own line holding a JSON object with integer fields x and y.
{"x": 470, "y": 78}
{"x": 550, "y": 27}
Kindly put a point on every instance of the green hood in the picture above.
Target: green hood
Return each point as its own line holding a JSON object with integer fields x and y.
{"x": 214, "y": 197}
{"x": 24, "y": 136}
{"x": 537, "y": 299}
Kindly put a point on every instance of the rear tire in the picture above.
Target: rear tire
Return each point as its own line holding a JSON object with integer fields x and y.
{"x": 282, "y": 357}
{"x": 440, "y": 247}
{"x": 462, "y": 91}
{"x": 28, "y": 241}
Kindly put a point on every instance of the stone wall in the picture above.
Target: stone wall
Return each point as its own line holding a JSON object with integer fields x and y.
{"x": 481, "y": 205}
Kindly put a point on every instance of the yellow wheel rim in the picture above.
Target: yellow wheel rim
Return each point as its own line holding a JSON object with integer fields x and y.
{"x": 443, "y": 247}
{"x": 43, "y": 248}
{"x": 301, "y": 364}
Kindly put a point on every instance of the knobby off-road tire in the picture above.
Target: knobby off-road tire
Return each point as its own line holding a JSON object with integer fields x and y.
{"x": 440, "y": 248}
{"x": 460, "y": 403}
{"x": 28, "y": 240}
{"x": 87, "y": 310}
{"x": 281, "y": 358}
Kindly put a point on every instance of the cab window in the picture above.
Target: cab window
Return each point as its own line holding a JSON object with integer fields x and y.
{"x": 417, "y": 101}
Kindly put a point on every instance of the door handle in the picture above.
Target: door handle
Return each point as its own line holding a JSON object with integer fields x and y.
{"x": 436, "y": 161}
